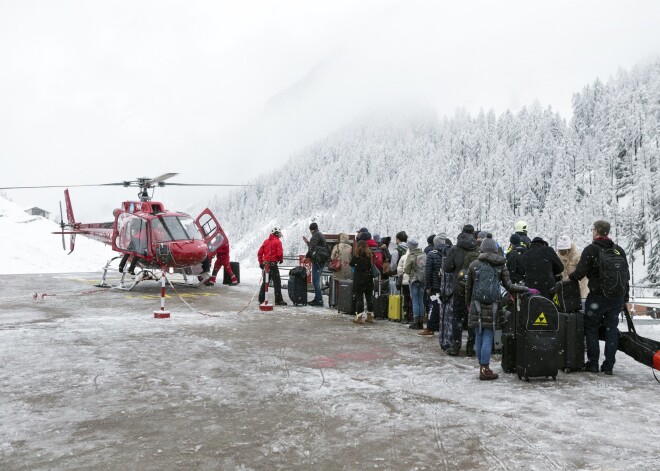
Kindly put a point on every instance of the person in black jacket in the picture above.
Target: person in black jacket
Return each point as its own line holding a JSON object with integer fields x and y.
{"x": 541, "y": 267}
{"x": 604, "y": 302}
{"x": 454, "y": 263}
{"x": 318, "y": 253}
{"x": 363, "y": 283}
{"x": 439, "y": 289}
{"x": 513, "y": 259}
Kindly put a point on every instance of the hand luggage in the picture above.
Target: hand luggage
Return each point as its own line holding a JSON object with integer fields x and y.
{"x": 571, "y": 341}
{"x": 509, "y": 353}
{"x": 536, "y": 337}
{"x": 236, "y": 268}
{"x": 497, "y": 341}
{"x": 345, "y": 297}
{"x": 297, "y": 286}
{"x": 381, "y": 304}
{"x": 333, "y": 292}
{"x": 567, "y": 296}
{"x": 395, "y": 308}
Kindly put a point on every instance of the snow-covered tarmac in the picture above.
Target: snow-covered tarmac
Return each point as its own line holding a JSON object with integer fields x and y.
{"x": 90, "y": 380}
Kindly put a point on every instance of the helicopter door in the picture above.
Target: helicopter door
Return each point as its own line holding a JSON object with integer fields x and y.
{"x": 130, "y": 234}
{"x": 211, "y": 230}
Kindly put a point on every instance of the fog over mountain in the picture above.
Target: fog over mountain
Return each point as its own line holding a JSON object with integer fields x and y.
{"x": 407, "y": 169}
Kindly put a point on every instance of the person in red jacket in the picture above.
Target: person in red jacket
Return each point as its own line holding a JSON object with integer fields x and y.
{"x": 270, "y": 254}
{"x": 222, "y": 260}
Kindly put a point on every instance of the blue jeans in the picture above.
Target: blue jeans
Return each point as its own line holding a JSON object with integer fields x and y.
{"x": 601, "y": 310}
{"x": 417, "y": 295}
{"x": 317, "y": 268}
{"x": 483, "y": 344}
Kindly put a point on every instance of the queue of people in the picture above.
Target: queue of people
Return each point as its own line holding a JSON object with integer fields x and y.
{"x": 451, "y": 287}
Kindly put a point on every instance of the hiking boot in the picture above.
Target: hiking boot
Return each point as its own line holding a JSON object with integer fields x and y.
{"x": 469, "y": 351}
{"x": 416, "y": 324}
{"x": 453, "y": 350}
{"x": 315, "y": 303}
{"x": 590, "y": 367}
{"x": 605, "y": 369}
{"x": 358, "y": 319}
{"x": 370, "y": 318}
{"x": 425, "y": 332}
{"x": 210, "y": 281}
{"x": 486, "y": 374}
{"x": 281, "y": 303}
{"x": 233, "y": 283}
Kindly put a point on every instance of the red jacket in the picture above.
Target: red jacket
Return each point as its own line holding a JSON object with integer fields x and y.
{"x": 271, "y": 250}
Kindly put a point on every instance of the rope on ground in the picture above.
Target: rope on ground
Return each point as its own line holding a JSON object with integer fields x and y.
{"x": 184, "y": 301}
{"x": 255, "y": 293}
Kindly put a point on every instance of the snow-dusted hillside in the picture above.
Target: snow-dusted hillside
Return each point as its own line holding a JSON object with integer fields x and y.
{"x": 415, "y": 172}
{"x": 29, "y": 247}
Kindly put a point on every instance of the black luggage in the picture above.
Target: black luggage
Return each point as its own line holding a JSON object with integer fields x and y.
{"x": 567, "y": 296}
{"x": 536, "y": 337}
{"x": 571, "y": 341}
{"x": 641, "y": 349}
{"x": 236, "y": 268}
{"x": 509, "y": 353}
{"x": 381, "y": 303}
{"x": 345, "y": 297}
{"x": 297, "y": 286}
{"x": 333, "y": 291}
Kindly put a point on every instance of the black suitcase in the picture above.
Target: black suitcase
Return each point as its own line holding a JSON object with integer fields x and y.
{"x": 345, "y": 297}
{"x": 236, "y": 268}
{"x": 381, "y": 303}
{"x": 536, "y": 337}
{"x": 297, "y": 286}
{"x": 333, "y": 290}
{"x": 571, "y": 341}
{"x": 509, "y": 353}
{"x": 567, "y": 296}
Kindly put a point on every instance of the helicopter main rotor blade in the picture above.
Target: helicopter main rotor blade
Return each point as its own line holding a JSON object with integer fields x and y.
{"x": 57, "y": 186}
{"x": 164, "y": 177}
{"x": 207, "y": 184}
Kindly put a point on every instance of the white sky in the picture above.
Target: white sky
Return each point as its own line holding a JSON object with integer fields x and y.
{"x": 222, "y": 91}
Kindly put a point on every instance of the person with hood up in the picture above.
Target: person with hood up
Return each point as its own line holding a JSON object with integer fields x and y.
{"x": 439, "y": 289}
{"x": 414, "y": 268}
{"x": 520, "y": 228}
{"x": 513, "y": 258}
{"x": 541, "y": 267}
{"x": 570, "y": 256}
{"x": 454, "y": 263}
{"x": 482, "y": 294}
{"x": 343, "y": 252}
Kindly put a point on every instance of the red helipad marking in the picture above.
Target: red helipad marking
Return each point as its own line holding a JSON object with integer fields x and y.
{"x": 350, "y": 357}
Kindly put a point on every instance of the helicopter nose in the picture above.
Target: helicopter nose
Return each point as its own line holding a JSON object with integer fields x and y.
{"x": 191, "y": 253}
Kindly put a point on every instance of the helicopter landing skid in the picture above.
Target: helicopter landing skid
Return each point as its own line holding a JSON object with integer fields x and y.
{"x": 194, "y": 281}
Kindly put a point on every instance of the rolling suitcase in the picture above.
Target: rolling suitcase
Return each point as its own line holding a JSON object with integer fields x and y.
{"x": 571, "y": 341}
{"x": 297, "y": 286}
{"x": 395, "y": 308}
{"x": 509, "y": 353}
{"x": 381, "y": 304}
{"x": 333, "y": 291}
{"x": 236, "y": 268}
{"x": 345, "y": 297}
{"x": 567, "y": 296}
{"x": 536, "y": 338}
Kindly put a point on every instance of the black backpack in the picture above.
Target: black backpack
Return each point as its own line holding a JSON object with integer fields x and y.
{"x": 470, "y": 256}
{"x": 486, "y": 286}
{"x": 613, "y": 272}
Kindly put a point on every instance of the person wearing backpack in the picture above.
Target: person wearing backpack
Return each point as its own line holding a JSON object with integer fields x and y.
{"x": 455, "y": 263}
{"x": 606, "y": 266}
{"x": 482, "y": 295}
{"x": 513, "y": 258}
{"x": 439, "y": 291}
{"x": 415, "y": 268}
{"x": 318, "y": 253}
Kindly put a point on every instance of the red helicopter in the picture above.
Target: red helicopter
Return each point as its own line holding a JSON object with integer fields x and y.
{"x": 156, "y": 238}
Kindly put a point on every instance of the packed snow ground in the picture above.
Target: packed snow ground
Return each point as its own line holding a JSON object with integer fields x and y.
{"x": 90, "y": 380}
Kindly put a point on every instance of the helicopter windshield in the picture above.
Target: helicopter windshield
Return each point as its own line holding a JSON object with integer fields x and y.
{"x": 167, "y": 228}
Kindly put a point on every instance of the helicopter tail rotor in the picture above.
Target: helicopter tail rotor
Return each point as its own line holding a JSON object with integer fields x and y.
{"x": 62, "y": 225}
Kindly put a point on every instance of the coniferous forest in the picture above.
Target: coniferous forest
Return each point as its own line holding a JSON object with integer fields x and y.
{"x": 423, "y": 174}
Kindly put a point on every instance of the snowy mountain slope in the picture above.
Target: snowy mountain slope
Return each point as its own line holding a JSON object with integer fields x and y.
{"x": 29, "y": 247}
{"x": 415, "y": 172}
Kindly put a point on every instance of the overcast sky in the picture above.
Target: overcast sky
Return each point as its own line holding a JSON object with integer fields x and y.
{"x": 94, "y": 91}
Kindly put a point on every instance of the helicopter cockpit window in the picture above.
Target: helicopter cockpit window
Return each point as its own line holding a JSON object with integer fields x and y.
{"x": 208, "y": 225}
{"x": 167, "y": 228}
{"x": 132, "y": 233}
{"x": 216, "y": 242}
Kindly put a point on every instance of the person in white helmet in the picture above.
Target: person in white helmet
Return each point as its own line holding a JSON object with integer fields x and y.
{"x": 521, "y": 229}
{"x": 270, "y": 253}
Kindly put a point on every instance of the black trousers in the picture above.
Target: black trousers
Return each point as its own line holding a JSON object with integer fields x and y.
{"x": 273, "y": 274}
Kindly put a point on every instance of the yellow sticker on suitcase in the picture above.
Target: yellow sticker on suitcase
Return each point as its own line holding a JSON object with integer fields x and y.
{"x": 395, "y": 308}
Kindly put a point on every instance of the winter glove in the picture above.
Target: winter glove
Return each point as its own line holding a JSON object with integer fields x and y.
{"x": 261, "y": 265}
{"x": 533, "y": 291}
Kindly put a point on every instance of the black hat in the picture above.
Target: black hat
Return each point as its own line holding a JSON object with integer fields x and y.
{"x": 364, "y": 229}
{"x": 468, "y": 229}
{"x": 429, "y": 239}
{"x": 539, "y": 240}
{"x": 386, "y": 240}
{"x": 515, "y": 240}
{"x": 313, "y": 227}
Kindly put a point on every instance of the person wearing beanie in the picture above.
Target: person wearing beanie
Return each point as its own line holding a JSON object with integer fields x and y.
{"x": 513, "y": 259}
{"x": 570, "y": 256}
{"x": 439, "y": 292}
{"x": 541, "y": 267}
{"x": 318, "y": 253}
{"x": 415, "y": 269}
{"x": 484, "y": 299}
{"x": 376, "y": 238}
{"x": 429, "y": 244}
{"x": 456, "y": 262}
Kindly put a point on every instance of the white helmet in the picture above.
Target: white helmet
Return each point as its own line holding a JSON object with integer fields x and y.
{"x": 521, "y": 226}
{"x": 277, "y": 230}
